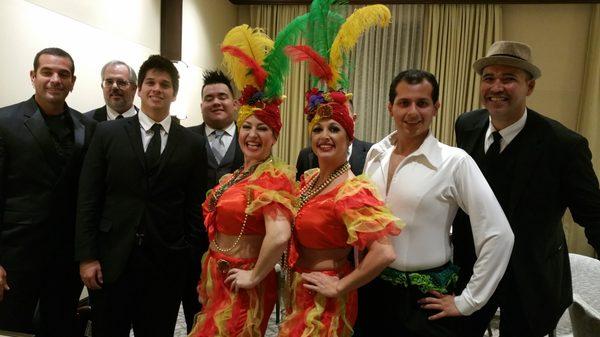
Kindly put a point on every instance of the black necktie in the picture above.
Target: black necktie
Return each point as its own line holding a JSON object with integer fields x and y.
{"x": 119, "y": 116}
{"x": 153, "y": 150}
{"x": 494, "y": 149}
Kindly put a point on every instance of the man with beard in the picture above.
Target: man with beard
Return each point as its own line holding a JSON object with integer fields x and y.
{"x": 119, "y": 83}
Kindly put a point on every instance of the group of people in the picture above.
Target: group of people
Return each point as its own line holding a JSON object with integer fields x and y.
{"x": 424, "y": 240}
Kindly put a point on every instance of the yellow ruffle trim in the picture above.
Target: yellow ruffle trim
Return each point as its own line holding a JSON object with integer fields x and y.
{"x": 263, "y": 194}
{"x": 368, "y": 219}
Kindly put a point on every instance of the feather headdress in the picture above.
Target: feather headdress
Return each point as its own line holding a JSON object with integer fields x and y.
{"x": 258, "y": 67}
{"x": 330, "y": 40}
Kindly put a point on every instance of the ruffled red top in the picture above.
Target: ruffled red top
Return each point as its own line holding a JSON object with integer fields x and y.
{"x": 351, "y": 214}
{"x": 270, "y": 188}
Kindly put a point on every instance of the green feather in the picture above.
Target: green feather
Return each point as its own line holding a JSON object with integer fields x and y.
{"x": 323, "y": 24}
{"x": 276, "y": 63}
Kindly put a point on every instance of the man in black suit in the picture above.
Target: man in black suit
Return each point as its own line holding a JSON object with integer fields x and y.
{"x": 42, "y": 145}
{"x": 119, "y": 83}
{"x": 537, "y": 168}
{"x": 139, "y": 212}
{"x": 356, "y": 157}
{"x": 222, "y": 155}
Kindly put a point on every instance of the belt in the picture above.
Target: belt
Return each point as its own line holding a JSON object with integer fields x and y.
{"x": 441, "y": 279}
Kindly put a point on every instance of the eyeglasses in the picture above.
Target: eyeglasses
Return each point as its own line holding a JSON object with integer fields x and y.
{"x": 109, "y": 82}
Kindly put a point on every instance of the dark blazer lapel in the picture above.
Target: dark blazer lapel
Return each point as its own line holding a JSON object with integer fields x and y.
{"x": 471, "y": 133}
{"x": 313, "y": 161}
{"x": 172, "y": 142}
{"x": 132, "y": 127}
{"x": 358, "y": 155}
{"x": 35, "y": 123}
{"x": 527, "y": 158}
{"x": 101, "y": 115}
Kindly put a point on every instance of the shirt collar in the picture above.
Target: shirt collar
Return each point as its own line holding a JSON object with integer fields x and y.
{"x": 147, "y": 122}
{"x": 230, "y": 130}
{"x": 509, "y": 132}
{"x": 112, "y": 114}
{"x": 429, "y": 149}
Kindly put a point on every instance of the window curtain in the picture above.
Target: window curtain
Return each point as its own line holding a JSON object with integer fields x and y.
{"x": 455, "y": 36}
{"x": 588, "y": 123}
{"x": 273, "y": 18}
{"x": 378, "y": 57}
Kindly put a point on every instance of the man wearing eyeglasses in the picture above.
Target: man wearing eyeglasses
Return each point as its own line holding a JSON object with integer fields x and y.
{"x": 118, "y": 86}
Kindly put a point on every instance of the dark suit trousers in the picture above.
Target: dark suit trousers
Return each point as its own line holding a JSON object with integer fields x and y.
{"x": 145, "y": 297}
{"x": 55, "y": 290}
{"x": 388, "y": 310}
{"x": 513, "y": 320}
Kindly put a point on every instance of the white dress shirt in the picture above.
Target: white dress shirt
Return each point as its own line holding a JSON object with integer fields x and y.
{"x": 227, "y": 136}
{"x": 508, "y": 133}
{"x": 428, "y": 187}
{"x": 145, "y": 125}
{"x": 111, "y": 114}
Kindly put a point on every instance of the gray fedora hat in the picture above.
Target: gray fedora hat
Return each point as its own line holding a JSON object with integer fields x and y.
{"x": 508, "y": 53}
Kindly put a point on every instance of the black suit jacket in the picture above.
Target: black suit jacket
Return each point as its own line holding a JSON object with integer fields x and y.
{"x": 37, "y": 192}
{"x": 119, "y": 198}
{"x": 308, "y": 160}
{"x": 238, "y": 159}
{"x": 99, "y": 114}
{"x": 553, "y": 171}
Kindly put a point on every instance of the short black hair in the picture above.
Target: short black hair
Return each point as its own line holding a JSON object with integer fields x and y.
{"x": 161, "y": 63}
{"x": 415, "y": 76}
{"x": 215, "y": 77}
{"x": 55, "y": 52}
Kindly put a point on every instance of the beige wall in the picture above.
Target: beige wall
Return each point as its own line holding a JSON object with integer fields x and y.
{"x": 558, "y": 37}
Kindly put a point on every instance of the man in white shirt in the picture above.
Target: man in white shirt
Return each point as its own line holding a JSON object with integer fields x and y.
{"x": 119, "y": 83}
{"x": 425, "y": 182}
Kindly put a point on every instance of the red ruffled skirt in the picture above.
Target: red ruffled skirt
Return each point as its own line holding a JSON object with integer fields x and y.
{"x": 312, "y": 314}
{"x": 229, "y": 313}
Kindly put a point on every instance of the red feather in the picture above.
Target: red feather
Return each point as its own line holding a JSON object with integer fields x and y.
{"x": 317, "y": 64}
{"x": 259, "y": 73}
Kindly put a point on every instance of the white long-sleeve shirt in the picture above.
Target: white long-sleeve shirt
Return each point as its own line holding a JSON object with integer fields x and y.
{"x": 427, "y": 188}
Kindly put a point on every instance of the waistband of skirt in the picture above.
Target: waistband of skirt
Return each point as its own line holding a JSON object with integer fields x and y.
{"x": 442, "y": 279}
{"x": 232, "y": 259}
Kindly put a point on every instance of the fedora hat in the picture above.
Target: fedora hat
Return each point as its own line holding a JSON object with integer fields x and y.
{"x": 508, "y": 53}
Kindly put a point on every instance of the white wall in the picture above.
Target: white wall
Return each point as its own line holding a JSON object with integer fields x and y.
{"x": 95, "y": 32}
{"x": 90, "y": 31}
{"x": 205, "y": 23}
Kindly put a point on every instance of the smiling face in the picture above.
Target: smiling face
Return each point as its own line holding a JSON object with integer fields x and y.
{"x": 329, "y": 141}
{"x": 413, "y": 109}
{"x": 217, "y": 106}
{"x": 118, "y": 99}
{"x": 256, "y": 140}
{"x": 504, "y": 90}
{"x": 53, "y": 80}
{"x": 157, "y": 93}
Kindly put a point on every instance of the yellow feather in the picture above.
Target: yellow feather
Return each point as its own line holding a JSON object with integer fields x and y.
{"x": 356, "y": 24}
{"x": 254, "y": 42}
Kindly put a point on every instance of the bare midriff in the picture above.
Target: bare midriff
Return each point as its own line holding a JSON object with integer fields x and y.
{"x": 247, "y": 247}
{"x": 322, "y": 259}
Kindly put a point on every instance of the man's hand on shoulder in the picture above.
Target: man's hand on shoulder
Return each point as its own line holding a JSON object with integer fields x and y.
{"x": 91, "y": 274}
{"x": 3, "y": 283}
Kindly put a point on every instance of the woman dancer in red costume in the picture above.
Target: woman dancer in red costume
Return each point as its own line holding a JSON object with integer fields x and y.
{"x": 337, "y": 211}
{"x": 247, "y": 215}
